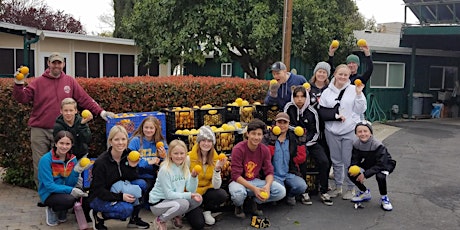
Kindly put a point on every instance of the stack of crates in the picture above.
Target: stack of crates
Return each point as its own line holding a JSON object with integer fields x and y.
{"x": 131, "y": 121}
{"x": 214, "y": 116}
{"x": 311, "y": 176}
{"x": 180, "y": 118}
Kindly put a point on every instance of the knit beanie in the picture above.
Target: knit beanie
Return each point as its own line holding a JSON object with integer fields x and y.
{"x": 353, "y": 58}
{"x": 206, "y": 133}
{"x": 365, "y": 123}
{"x": 323, "y": 65}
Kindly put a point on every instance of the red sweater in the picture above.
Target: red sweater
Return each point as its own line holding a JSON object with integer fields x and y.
{"x": 46, "y": 94}
{"x": 247, "y": 163}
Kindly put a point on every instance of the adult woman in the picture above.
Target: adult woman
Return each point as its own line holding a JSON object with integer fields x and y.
{"x": 112, "y": 166}
{"x": 209, "y": 182}
{"x": 57, "y": 179}
{"x": 339, "y": 128}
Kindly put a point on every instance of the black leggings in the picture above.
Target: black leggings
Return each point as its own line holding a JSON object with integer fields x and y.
{"x": 195, "y": 218}
{"x": 60, "y": 201}
{"x": 213, "y": 198}
{"x": 381, "y": 181}
{"x": 317, "y": 153}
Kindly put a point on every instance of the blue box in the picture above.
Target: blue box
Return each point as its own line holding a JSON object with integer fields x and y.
{"x": 130, "y": 121}
{"x": 87, "y": 175}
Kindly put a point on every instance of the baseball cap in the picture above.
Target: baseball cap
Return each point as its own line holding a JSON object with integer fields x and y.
{"x": 277, "y": 66}
{"x": 56, "y": 57}
{"x": 282, "y": 116}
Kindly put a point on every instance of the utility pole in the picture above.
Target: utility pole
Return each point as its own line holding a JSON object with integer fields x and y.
{"x": 287, "y": 34}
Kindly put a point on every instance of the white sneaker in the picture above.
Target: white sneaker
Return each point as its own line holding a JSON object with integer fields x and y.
{"x": 348, "y": 194}
{"x": 386, "y": 204}
{"x": 305, "y": 199}
{"x": 336, "y": 192}
{"x": 208, "y": 219}
{"x": 362, "y": 196}
{"x": 326, "y": 199}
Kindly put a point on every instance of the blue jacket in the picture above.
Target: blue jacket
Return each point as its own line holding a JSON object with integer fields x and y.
{"x": 284, "y": 92}
{"x": 147, "y": 150}
{"x": 55, "y": 175}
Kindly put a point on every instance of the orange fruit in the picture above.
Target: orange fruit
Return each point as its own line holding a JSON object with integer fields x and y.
{"x": 298, "y": 131}
{"x": 239, "y": 101}
{"x": 24, "y": 70}
{"x": 159, "y": 144}
{"x": 264, "y": 195}
{"x": 306, "y": 85}
{"x": 354, "y": 170}
{"x": 222, "y": 156}
{"x": 272, "y": 82}
{"x": 197, "y": 169}
{"x": 134, "y": 156}
{"x": 335, "y": 44}
{"x": 276, "y": 130}
{"x": 358, "y": 82}
{"x": 361, "y": 42}
{"x": 19, "y": 76}
{"x": 84, "y": 162}
{"x": 85, "y": 114}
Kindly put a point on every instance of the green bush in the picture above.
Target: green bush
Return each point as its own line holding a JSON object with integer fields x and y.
{"x": 119, "y": 95}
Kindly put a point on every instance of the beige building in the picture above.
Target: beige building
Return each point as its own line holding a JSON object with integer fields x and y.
{"x": 86, "y": 56}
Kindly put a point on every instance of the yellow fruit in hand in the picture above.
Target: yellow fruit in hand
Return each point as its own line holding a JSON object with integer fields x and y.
{"x": 197, "y": 169}
{"x": 264, "y": 195}
{"x": 298, "y": 131}
{"x": 159, "y": 144}
{"x": 276, "y": 130}
{"x": 239, "y": 101}
{"x": 19, "y": 76}
{"x": 272, "y": 82}
{"x": 84, "y": 162}
{"x": 358, "y": 82}
{"x": 306, "y": 85}
{"x": 85, "y": 114}
{"x": 361, "y": 42}
{"x": 222, "y": 156}
{"x": 24, "y": 70}
{"x": 335, "y": 44}
{"x": 134, "y": 156}
{"x": 354, "y": 170}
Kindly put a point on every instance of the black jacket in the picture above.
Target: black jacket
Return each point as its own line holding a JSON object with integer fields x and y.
{"x": 308, "y": 120}
{"x": 81, "y": 134}
{"x": 106, "y": 171}
{"x": 374, "y": 160}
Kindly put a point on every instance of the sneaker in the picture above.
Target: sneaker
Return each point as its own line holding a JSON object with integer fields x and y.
{"x": 51, "y": 217}
{"x": 160, "y": 224}
{"x": 136, "y": 222}
{"x": 362, "y": 196}
{"x": 208, "y": 219}
{"x": 255, "y": 209}
{"x": 348, "y": 194}
{"x": 386, "y": 204}
{"x": 62, "y": 216}
{"x": 98, "y": 222}
{"x": 336, "y": 192}
{"x": 239, "y": 212}
{"x": 326, "y": 199}
{"x": 305, "y": 199}
{"x": 177, "y": 222}
{"x": 290, "y": 200}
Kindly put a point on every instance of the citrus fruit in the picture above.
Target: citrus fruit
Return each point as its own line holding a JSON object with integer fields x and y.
{"x": 256, "y": 103}
{"x": 361, "y": 42}
{"x": 19, "y": 76}
{"x": 358, "y": 82}
{"x": 264, "y": 195}
{"x": 276, "y": 130}
{"x": 335, "y": 44}
{"x": 222, "y": 156}
{"x": 84, "y": 162}
{"x": 354, "y": 170}
{"x": 197, "y": 169}
{"x": 24, "y": 70}
{"x": 134, "y": 156}
{"x": 239, "y": 101}
{"x": 306, "y": 85}
{"x": 212, "y": 112}
{"x": 272, "y": 82}
{"x": 85, "y": 114}
{"x": 298, "y": 131}
{"x": 159, "y": 144}
{"x": 245, "y": 103}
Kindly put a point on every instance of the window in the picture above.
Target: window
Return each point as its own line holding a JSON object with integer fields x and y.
{"x": 443, "y": 77}
{"x": 118, "y": 65}
{"x": 11, "y": 59}
{"x": 388, "y": 75}
{"x": 226, "y": 69}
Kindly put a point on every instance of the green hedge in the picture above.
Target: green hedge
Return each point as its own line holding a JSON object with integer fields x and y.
{"x": 119, "y": 95}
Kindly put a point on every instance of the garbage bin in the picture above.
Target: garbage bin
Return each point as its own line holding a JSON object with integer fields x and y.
{"x": 417, "y": 103}
{"x": 427, "y": 103}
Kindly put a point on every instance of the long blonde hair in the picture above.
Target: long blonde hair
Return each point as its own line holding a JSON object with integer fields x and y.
{"x": 114, "y": 131}
{"x": 168, "y": 162}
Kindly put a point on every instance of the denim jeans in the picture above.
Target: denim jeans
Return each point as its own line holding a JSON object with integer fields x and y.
{"x": 127, "y": 187}
{"x": 239, "y": 193}
{"x": 295, "y": 185}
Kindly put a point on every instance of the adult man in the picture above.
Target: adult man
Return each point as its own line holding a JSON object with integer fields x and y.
{"x": 249, "y": 157}
{"x": 280, "y": 93}
{"x": 288, "y": 153}
{"x": 46, "y": 94}
{"x": 353, "y": 62}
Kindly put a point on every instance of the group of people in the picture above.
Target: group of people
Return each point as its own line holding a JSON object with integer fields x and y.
{"x": 174, "y": 182}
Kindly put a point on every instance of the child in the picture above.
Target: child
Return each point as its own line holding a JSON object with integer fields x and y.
{"x": 71, "y": 121}
{"x": 144, "y": 140}
{"x": 174, "y": 192}
{"x": 373, "y": 159}
{"x": 57, "y": 179}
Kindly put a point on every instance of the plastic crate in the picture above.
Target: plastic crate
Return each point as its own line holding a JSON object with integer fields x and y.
{"x": 179, "y": 119}
{"x": 225, "y": 141}
{"x": 189, "y": 140}
{"x": 130, "y": 121}
{"x": 212, "y": 117}
{"x": 232, "y": 113}
{"x": 312, "y": 183}
{"x": 267, "y": 113}
{"x": 247, "y": 113}
{"x": 87, "y": 175}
